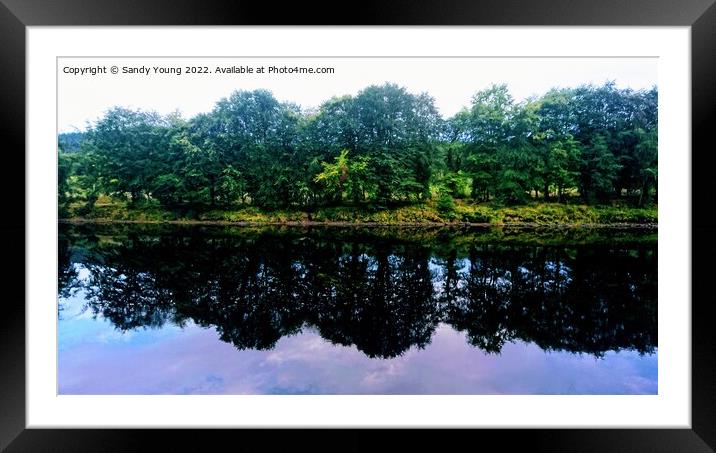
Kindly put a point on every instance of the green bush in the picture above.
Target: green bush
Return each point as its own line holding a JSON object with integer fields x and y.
{"x": 446, "y": 206}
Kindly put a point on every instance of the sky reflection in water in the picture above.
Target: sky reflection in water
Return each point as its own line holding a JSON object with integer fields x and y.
{"x": 156, "y": 356}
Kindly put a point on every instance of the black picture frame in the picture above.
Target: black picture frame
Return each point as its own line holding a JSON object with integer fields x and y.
{"x": 16, "y": 15}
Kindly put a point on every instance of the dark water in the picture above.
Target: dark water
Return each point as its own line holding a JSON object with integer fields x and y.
{"x": 328, "y": 310}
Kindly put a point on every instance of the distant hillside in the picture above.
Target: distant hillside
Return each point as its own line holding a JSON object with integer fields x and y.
{"x": 70, "y": 142}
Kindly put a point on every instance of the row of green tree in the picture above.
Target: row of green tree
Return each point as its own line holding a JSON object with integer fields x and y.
{"x": 384, "y": 145}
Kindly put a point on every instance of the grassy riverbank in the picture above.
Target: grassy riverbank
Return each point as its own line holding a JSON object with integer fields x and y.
{"x": 107, "y": 209}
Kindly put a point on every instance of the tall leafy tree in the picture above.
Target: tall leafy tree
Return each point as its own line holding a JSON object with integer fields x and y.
{"x": 128, "y": 145}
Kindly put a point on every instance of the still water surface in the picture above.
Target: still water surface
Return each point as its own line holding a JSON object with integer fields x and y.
{"x": 329, "y": 310}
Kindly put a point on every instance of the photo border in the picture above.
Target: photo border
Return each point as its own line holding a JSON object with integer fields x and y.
{"x": 16, "y": 15}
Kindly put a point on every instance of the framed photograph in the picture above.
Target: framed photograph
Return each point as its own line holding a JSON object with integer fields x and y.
{"x": 410, "y": 218}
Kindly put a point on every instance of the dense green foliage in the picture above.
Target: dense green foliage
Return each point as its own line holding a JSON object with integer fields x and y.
{"x": 382, "y": 147}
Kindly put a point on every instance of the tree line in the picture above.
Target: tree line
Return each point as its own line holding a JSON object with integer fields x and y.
{"x": 381, "y": 147}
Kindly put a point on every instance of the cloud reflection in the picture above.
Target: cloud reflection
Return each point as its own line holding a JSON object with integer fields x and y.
{"x": 193, "y": 361}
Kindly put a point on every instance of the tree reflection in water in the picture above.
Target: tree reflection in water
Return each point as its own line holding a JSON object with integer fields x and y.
{"x": 381, "y": 290}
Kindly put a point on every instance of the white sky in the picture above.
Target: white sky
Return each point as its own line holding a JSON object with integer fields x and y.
{"x": 451, "y": 81}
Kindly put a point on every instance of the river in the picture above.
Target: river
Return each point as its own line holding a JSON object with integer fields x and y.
{"x": 150, "y": 309}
